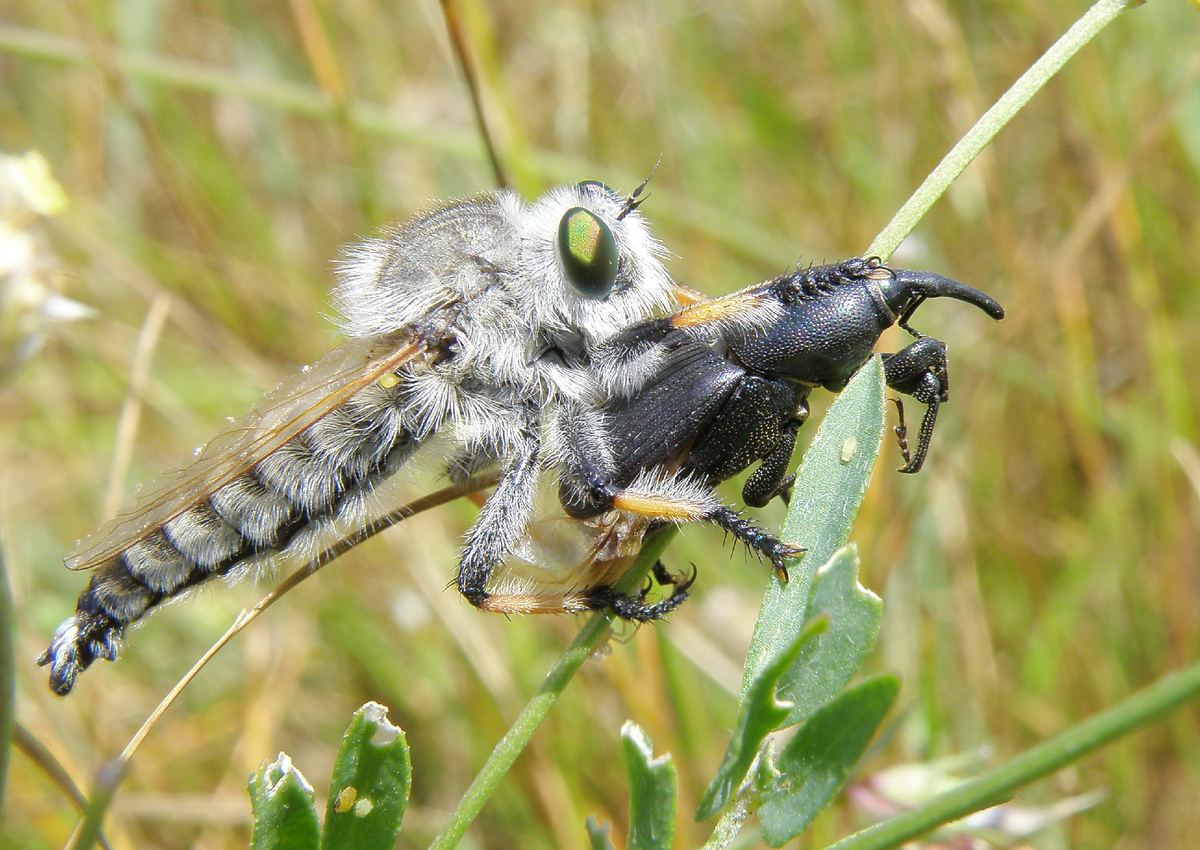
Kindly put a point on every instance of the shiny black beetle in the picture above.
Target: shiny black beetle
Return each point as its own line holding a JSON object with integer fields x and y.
{"x": 701, "y": 395}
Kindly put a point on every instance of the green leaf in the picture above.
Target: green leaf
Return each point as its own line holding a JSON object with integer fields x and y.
{"x": 652, "y": 791}
{"x": 282, "y": 802}
{"x": 369, "y": 789}
{"x": 829, "y": 488}
{"x": 815, "y": 763}
{"x": 827, "y": 664}
{"x": 760, "y": 714}
{"x": 598, "y": 834}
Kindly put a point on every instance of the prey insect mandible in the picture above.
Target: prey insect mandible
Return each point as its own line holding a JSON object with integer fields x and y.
{"x": 470, "y": 331}
{"x": 699, "y": 396}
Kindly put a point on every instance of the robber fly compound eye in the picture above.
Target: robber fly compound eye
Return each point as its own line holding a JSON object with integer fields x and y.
{"x": 589, "y": 252}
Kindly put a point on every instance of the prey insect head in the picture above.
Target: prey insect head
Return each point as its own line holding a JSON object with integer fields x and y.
{"x": 904, "y": 290}
{"x": 920, "y": 369}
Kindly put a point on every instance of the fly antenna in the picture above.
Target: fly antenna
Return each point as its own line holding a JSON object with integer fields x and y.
{"x": 635, "y": 200}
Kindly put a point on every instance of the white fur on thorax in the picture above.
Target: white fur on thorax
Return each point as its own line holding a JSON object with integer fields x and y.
{"x": 493, "y": 261}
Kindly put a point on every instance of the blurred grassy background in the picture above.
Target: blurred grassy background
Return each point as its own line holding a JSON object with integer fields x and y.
{"x": 218, "y": 155}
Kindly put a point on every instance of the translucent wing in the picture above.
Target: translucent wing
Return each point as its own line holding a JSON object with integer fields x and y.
{"x": 294, "y": 405}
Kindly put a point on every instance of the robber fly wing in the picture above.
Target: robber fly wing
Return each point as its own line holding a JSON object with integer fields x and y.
{"x": 294, "y": 405}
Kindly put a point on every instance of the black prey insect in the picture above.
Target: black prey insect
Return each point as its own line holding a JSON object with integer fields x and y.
{"x": 699, "y": 396}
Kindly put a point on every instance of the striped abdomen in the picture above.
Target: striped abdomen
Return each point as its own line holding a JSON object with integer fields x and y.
{"x": 318, "y": 476}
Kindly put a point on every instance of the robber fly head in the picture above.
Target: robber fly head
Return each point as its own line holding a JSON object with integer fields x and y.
{"x": 577, "y": 258}
{"x": 593, "y": 264}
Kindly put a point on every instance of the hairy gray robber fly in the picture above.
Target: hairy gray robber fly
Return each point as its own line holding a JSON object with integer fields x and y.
{"x": 470, "y": 331}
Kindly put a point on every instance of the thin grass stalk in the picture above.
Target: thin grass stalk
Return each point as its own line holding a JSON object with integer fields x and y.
{"x": 1146, "y": 706}
{"x": 992, "y": 122}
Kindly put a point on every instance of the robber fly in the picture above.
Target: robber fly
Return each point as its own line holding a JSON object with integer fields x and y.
{"x": 470, "y": 331}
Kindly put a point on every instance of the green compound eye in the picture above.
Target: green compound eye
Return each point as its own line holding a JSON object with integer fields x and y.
{"x": 589, "y": 252}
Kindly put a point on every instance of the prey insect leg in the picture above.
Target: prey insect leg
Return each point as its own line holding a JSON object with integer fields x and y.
{"x": 680, "y": 499}
{"x": 634, "y": 607}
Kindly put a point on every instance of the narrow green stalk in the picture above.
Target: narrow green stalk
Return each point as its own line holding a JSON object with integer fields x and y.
{"x": 590, "y": 637}
{"x": 992, "y": 121}
{"x": 8, "y": 673}
{"x": 730, "y": 823}
{"x": 1146, "y": 706}
{"x": 108, "y": 780}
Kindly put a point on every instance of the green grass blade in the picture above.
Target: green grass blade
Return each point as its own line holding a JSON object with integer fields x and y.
{"x": 1146, "y": 706}
{"x": 829, "y": 488}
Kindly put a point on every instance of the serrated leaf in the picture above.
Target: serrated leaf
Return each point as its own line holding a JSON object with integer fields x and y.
{"x": 759, "y": 714}
{"x": 652, "y": 790}
{"x": 369, "y": 789}
{"x": 598, "y": 834}
{"x": 282, "y": 803}
{"x": 815, "y": 763}
{"x": 826, "y": 496}
{"x": 827, "y": 664}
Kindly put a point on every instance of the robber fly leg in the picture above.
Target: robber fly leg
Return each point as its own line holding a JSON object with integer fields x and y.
{"x": 500, "y": 524}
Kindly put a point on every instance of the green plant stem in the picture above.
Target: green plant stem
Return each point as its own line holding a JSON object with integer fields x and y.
{"x": 992, "y": 121}
{"x": 108, "y": 780}
{"x": 8, "y": 673}
{"x": 590, "y": 637}
{"x": 1147, "y": 705}
{"x": 730, "y": 823}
